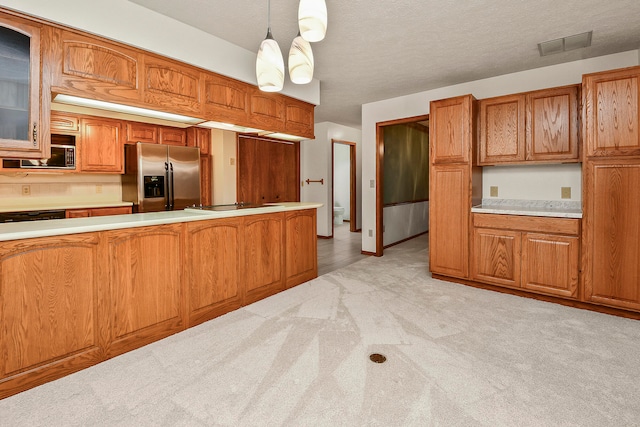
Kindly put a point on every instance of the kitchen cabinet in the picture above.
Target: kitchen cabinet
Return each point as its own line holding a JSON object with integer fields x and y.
{"x": 538, "y": 254}
{"x": 141, "y": 132}
{"x": 101, "y": 148}
{"x": 214, "y": 277}
{"x": 612, "y": 113}
{"x": 268, "y": 170}
{"x": 145, "y": 300}
{"x": 90, "y": 212}
{"x": 264, "y": 272}
{"x": 199, "y": 137}
{"x": 172, "y": 136}
{"x": 22, "y": 133}
{"x": 172, "y": 86}
{"x": 540, "y": 126}
{"x": 92, "y": 67}
{"x": 455, "y": 184}
{"x": 226, "y": 99}
{"x": 299, "y": 118}
{"x": 301, "y": 247}
{"x": 205, "y": 180}
{"x": 266, "y": 110}
{"x": 49, "y": 311}
{"x": 64, "y": 123}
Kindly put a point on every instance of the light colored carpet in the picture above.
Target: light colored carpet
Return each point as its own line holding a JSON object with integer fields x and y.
{"x": 457, "y": 356}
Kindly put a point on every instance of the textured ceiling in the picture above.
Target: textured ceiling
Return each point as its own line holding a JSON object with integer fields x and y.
{"x": 376, "y": 50}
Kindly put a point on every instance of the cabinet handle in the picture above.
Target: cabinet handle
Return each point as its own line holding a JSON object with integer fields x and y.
{"x": 35, "y": 134}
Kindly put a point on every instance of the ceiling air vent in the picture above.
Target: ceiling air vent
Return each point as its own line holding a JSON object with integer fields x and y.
{"x": 565, "y": 44}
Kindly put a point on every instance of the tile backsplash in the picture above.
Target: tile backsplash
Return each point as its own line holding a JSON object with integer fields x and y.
{"x": 32, "y": 189}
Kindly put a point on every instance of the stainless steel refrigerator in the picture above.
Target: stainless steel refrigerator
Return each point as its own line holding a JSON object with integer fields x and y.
{"x": 161, "y": 177}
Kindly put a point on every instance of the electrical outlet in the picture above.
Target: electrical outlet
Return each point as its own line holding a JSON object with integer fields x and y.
{"x": 493, "y": 191}
{"x": 565, "y": 192}
{"x": 232, "y": 161}
{"x": 370, "y": 233}
{"x": 98, "y": 188}
{"x": 26, "y": 190}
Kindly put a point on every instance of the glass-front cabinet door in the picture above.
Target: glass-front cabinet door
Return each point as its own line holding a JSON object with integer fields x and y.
{"x": 19, "y": 88}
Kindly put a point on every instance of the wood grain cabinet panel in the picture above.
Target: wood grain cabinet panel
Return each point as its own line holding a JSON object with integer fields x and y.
{"x": 263, "y": 256}
{"x": 22, "y": 133}
{"x": 49, "y": 293}
{"x": 172, "y": 136}
{"x": 496, "y": 256}
{"x": 172, "y": 86}
{"x": 612, "y": 234}
{"x": 451, "y": 129}
{"x": 64, "y": 123}
{"x": 85, "y": 213}
{"x": 101, "y": 148}
{"x": 141, "y": 132}
{"x": 213, "y": 268}
{"x": 201, "y": 138}
{"x": 502, "y": 129}
{"x": 205, "y": 180}
{"x": 550, "y": 264}
{"x": 301, "y": 247}
{"x": 145, "y": 277}
{"x": 226, "y": 99}
{"x": 552, "y": 127}
{"x": 612, "y": 112}
{"x": 299, "y": 118}
{"x": 92, "y": 67}
{"x": 266, "y": 110}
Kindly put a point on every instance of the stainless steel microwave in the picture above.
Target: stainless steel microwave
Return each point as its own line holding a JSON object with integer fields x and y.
{"x": 62, "y": 157}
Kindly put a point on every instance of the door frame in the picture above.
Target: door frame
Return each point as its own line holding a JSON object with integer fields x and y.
{"x": 380, "y": 175}
{"x": 352, "y": 183}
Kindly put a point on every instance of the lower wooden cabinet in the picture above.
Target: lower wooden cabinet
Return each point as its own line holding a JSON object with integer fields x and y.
{"x": 533, "y": 253}
{"x": 84, "y": 213}
{"x": 69, "y": 302}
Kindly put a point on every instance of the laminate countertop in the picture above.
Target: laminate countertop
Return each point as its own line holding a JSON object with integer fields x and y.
{"x": 59, "y": 227}
{"x": 60, "y": 204}
{"x": 545, "y": 208}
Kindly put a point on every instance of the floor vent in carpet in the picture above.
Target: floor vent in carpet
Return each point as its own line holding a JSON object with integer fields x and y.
{"x": 377, "y": 358}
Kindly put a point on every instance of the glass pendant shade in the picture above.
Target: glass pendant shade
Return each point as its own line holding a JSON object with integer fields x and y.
{"x": 312, "y": 19}
{"x": 300, "y": 61}
{"x": 270, "y": 65}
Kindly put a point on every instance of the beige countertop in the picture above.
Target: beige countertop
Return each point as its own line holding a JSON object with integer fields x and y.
{"x": 60, "y": 204}
{"x": 555, "y": 209}
{"x": 59, "y": 227}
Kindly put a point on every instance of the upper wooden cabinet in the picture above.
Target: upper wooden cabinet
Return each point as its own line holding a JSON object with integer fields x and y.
{"x": 199, "y": 137}
{"x": 226, "y": 99}
{"x": 267, "y": 110}
{"x": 101, "y": 148}
{"x": 612, "y": 112}
{"x": 21, "y": 131}
{"x": 172, "y": 86}
{"x": 141, "y": 132}
{"x": 172, "y": 136}
{"x": 299, "y": 118}
{"x": 91, "y": 67}
{"x": 540, "y": 126}
{"x": 63, "y": 122}
{"x": 451, "y": 130}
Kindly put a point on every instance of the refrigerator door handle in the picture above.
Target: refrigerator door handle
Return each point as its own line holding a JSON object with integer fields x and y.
{"x": 167, "y": 189}
{"x": 172, "y": 194}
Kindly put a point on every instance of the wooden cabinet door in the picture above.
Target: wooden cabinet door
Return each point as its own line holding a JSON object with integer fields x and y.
{"x": 226, "y": 99}
{"x": 213, "y": 268}
{"x": 550, "y": 264}
{"x": 91, "y": 67}
{"x": 496, "y": 256}
{"x": 101, "y": 148}
{"x": 299, "y": 118}
{"x": 144, "y": 302}
{"x": 172, "y": 136}
{"x": 450, "y": 130}
{"x": 199, "y": 137}
{"x": 266, "y": 110}
{"x": 449, "y": 210}
{"x": 502, "y": 129}
{"x": 66, "y": 123}
{"x": 21, "y": 133}
{"x": 205, "y": 180}
{"x": 612, "y": 112}
{"x": 248, "y": 169}
{"x": 552, "y": 125}
{"x": 301, "y": 247}
{"x": 172, "y": 86}
{"x": 141, "y": 132}
{"x": 77, "y": 213}
{"x": 263, "y": 256}
{"x": 48, "y": 309}
{"x": 612, "y": 234}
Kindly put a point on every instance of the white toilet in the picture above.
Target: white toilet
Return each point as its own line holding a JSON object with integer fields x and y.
{"x": 338, "y": 215}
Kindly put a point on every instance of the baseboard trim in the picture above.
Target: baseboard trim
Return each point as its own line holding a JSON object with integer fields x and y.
{"x": 368, "y": 253}
{"x": 324, "y": 237}
{"x": 404, "y": 240}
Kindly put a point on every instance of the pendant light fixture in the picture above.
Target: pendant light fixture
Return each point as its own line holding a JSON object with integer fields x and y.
{"x": 300, "y": 61}
{"x": 312, "y": 19}
{"x": 270, "y": 64}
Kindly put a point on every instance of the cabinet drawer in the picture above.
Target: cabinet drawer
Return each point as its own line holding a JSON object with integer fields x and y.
{"x": 569, "y": 226}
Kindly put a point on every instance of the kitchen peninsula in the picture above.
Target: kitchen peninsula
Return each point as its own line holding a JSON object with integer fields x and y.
{"x": 76, "y": 292}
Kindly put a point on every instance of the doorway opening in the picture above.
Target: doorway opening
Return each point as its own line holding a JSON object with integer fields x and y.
{"x": 380, "y": 159}
{"x": 343, "y": 191}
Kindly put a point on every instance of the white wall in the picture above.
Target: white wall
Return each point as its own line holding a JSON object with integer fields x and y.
{"x": 540, "y": 182}
{"x": 418, "y": 104}
{"x": 135, "y": 25}
{"x": 342, "y": 178}
{"x": 315, "y": 163}
{"x": 223, "y": 152}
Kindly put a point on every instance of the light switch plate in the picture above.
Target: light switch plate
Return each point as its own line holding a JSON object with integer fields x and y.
{"x": 493, "y": 191}
{"x": 565, "y": 192}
